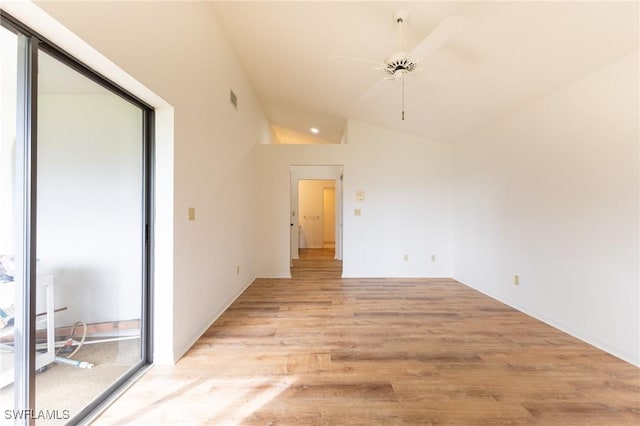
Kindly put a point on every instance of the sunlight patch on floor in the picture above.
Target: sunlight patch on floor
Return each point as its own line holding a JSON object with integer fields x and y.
{"x": 223, "y": 401}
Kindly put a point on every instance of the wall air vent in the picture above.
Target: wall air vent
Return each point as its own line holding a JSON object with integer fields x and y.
{"x": 234, "y": 99}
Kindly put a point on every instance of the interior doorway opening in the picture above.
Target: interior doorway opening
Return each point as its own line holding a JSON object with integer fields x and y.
{"x": 316, "y": 219}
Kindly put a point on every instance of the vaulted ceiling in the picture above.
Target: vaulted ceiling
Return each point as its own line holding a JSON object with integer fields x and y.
{"x": 507, "y": 55}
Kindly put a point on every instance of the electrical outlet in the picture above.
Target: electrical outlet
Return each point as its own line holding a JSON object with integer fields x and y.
{"x": 192, "y": 213}
{"x": 357, "y": 212}
{"x": 516, "y": 279}
{"x": 406, "y": 257}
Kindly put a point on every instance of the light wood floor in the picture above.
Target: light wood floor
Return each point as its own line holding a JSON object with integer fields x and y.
{"x": 381, "y": 351}
{"x": 316, "y": 264}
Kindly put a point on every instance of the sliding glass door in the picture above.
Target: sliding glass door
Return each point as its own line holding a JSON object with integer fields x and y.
{"x": 74, "y": 251}
{"x": 17, "y": 324}
{"x": 90, "y": 230}
{"x": 11, "y": 196}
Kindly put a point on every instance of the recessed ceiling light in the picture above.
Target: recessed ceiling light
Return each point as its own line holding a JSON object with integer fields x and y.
{"x": 314, "y": 130}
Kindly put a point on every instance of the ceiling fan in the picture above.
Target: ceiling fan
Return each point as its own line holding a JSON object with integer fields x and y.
{"x": 402, "y": 63}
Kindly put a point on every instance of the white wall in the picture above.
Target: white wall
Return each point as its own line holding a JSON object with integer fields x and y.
{"x": 178, "y": 51}
{"x": 552, "y": 193}
{"x": 406, "y": 181}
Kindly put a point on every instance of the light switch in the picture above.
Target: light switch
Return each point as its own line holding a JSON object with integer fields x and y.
{"x": 356, "y": 212}
{"x": 359, "y": 195}
{"x": 192, "y": 213}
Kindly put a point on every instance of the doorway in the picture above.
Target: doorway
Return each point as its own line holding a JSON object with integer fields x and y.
{"x": 316, "y": 213}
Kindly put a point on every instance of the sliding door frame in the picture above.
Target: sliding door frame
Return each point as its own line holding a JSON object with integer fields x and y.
{"x": 30, "y": 44}
{"x": 26, "y": 167}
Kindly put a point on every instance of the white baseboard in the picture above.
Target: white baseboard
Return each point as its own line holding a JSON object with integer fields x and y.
{"x": 630, "y": 358}
{"x": 180, "y": 353}
{"x": 274, "y": 275}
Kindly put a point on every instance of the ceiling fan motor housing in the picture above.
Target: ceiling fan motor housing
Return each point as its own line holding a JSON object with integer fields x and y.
{"x": 399, "y": 63}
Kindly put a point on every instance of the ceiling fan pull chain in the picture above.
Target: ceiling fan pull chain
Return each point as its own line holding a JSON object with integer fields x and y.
{"x": 403, "y": 96}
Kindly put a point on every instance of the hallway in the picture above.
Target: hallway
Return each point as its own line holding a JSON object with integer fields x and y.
{"x": 316, "y": 263}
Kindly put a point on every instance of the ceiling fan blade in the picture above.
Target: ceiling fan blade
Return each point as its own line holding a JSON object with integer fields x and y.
{"x": 374, "y": 90}
{"x": 342, "y": 58}
{"x": 439, "y": 36}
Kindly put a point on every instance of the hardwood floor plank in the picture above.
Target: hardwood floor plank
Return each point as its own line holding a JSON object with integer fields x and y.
{"x": 344, "y": 392}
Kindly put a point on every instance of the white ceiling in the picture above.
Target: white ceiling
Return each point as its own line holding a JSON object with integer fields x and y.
{"x": 507, "y": 55}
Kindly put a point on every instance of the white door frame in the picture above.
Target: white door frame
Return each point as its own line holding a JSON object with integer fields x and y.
{"x": 306, "y": 172}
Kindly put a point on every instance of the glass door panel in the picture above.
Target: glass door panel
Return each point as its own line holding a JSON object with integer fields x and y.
{"x": 11, "y": 195}
{"x": 90, "y": 238}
